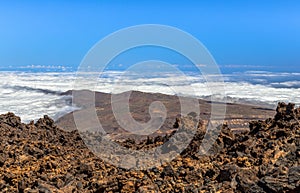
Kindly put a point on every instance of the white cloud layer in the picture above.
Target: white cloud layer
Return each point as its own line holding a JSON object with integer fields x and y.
{"x": 31, "y": 95}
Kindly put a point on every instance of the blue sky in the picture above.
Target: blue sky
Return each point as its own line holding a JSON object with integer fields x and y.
{"x": 243, "y": 35}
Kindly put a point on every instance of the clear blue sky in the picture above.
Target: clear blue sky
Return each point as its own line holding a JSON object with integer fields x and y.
{"x": 265, "y": 34}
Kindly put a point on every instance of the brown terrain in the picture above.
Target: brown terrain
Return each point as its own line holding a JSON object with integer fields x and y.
{"x": 44, "y": 157}
{"x": 237, "y": 116}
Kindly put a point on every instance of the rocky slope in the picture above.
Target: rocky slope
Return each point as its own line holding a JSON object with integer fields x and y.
{"x": 40, "y": 157}
{"x": 237, "y": 115}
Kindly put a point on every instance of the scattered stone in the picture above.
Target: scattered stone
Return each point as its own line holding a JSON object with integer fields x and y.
{"x": 41, "y": 157}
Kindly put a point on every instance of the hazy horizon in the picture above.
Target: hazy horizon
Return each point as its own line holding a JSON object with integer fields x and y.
{"x": 255, "y": 45}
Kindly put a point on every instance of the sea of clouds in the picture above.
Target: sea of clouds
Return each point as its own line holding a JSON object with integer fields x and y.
{"x": 31, "y": 95}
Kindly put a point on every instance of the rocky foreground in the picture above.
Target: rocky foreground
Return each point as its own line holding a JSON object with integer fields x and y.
{"x": 40, "y": 157}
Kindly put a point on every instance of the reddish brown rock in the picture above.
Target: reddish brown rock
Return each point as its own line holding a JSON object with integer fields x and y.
{"x": 41, "y": 157}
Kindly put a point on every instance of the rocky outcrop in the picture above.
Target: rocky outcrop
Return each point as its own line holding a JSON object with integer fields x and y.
{"x": 40, "y": 157}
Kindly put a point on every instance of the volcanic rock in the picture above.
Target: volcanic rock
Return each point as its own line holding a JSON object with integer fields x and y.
{"x": 41, "y": 157}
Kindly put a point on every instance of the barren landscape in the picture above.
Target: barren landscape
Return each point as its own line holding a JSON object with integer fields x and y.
{"x": 264, "y": 156}
{"x": 237, "y": 116}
